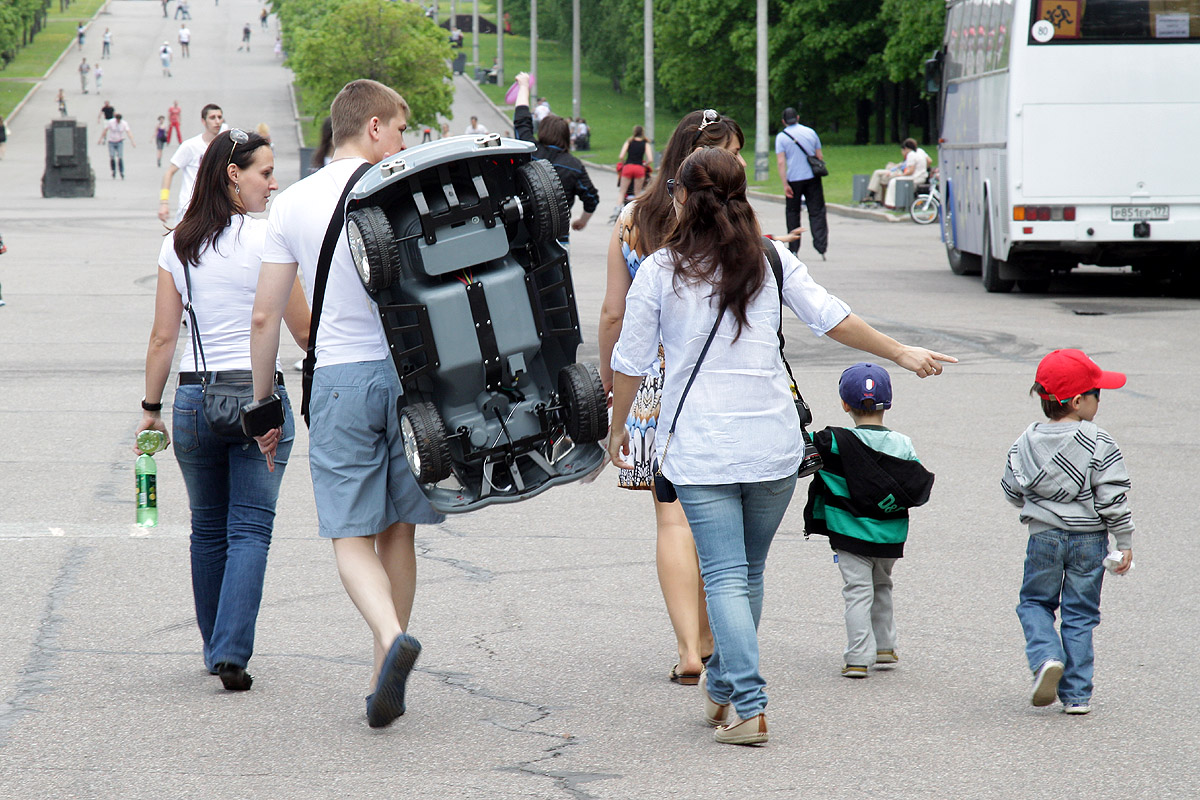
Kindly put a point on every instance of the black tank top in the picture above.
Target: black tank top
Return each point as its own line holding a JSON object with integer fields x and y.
{"x": 636, "y": 152}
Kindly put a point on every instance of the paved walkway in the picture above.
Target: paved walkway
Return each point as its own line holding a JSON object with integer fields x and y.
{"x": 546, "y": 643}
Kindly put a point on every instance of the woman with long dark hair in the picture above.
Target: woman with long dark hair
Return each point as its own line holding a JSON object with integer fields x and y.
{"x": 640, "y": 230}
{"x": 710, "y": 298}
{"x": 211, "y": 260}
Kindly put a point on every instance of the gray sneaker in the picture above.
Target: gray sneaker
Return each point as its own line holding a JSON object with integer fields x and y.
{"x": 1045, "y": 683}
{"x": 886, "y": 657}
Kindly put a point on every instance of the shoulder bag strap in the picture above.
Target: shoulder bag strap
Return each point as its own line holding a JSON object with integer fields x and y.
{"x": 198, "y": 361}
{"x": 777, "y": 269}
{"x": 793, "y": 138}
{"x": 695, "y": 371}
{"x": 322, "y": 278}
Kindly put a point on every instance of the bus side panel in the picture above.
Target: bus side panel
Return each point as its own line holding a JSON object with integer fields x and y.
{"x": 959, "y": 166}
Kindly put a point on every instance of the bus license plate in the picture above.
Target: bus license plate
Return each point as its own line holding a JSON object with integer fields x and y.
{"x": 1135, "y": 213}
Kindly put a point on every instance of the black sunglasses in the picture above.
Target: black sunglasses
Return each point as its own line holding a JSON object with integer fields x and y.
{"x": 1093, "y": 392}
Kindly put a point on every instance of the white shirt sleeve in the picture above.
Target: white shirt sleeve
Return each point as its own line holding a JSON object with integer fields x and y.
{"x": 636, "y": 351}
{"x": 809, "y": 300}
{"x": 278, "y": 250}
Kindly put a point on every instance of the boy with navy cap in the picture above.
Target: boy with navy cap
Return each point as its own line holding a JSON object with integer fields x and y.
{"x": 860, "y": 500}
{"x": 1069, "y": 480}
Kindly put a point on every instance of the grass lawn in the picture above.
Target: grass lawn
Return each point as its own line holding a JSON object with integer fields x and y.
{"x": 11, "y": 93}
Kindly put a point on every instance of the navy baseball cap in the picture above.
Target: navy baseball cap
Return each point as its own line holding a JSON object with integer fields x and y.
{"x": 866, "y": 381}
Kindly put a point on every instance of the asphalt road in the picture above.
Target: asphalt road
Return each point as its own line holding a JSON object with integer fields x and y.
{"x": 546, "y": 643}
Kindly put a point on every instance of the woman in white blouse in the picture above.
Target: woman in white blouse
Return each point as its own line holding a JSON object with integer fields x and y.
{"x": 232, "y": 497}
{"x": 737, "y": 445}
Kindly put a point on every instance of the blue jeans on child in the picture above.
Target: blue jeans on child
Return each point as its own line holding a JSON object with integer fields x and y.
{"x": 1063, "y": 570}
{"x": 733, "y": 525}
{"x": 232, "y": 498}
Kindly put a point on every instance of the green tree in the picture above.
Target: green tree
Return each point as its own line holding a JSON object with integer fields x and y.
{"x": 393, "y": 43}
{"x": 915, "y": 31}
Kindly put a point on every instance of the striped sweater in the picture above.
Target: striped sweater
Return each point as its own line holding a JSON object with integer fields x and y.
{"x": 1069, "y": 476}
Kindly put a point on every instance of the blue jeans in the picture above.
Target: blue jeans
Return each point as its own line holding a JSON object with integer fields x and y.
{"x": 232, "y": 498}
{"x": 1063, "y": 570}
{"x": 733, "y": 525}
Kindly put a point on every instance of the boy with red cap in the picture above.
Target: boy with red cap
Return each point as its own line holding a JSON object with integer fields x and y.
{"x": 1069, "y": 481}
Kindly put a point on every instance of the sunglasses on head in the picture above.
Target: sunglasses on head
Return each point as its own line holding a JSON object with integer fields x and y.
{"x": 1093, "y": 392}
{"x": 237, "y": 136}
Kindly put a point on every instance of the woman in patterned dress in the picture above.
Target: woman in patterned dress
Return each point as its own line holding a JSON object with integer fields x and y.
{"x": 641, "y": 227}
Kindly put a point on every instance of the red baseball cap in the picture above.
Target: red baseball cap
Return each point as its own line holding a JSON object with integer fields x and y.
{"x": 1066, "y": 373}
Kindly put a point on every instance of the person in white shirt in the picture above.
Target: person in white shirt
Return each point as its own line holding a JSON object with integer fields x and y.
{"x": 187, "y": 160}
{"x": 541, "y": 110}
{"x": 115, "y": 132}
{"x": 211, "y": 261}
{"x": 475, "y": 128}
{"x": 368, "y": 502}
{"x": 914, "y": 164}
{"x": 185, "y": 40}
{"x": 737, "y": 443}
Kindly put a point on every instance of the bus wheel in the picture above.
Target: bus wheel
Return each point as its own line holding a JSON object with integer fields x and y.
{"x": 962, "y": 263}
{"x": 991, "y": 265}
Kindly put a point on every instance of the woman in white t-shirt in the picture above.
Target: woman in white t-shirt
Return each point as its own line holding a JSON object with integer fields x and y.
{"x": 232, "y": 497}
{"x": 735, "y": 448}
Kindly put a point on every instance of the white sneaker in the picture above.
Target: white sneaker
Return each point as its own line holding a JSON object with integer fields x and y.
{"x": 1045, "y": 683}
{"x": 1076, "y": 708}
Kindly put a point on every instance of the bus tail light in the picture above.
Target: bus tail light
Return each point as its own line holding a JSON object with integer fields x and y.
{"x": 1018, "y": 213}
{"x": 1043, "y": 213}
{"x": 1069, "y": 213}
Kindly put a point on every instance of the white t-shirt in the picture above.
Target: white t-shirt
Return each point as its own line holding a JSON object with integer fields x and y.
{"x": 187, "y": 160}
{"x": 115, "y": 131}
{"x": 473, "y": 130}
{"x": 185, "y": 35}
{"x": 350, "y": 327}
{"x": 223, "y": 285}
{"x": 541, "y": 111}
{"x": 738, "y": 423}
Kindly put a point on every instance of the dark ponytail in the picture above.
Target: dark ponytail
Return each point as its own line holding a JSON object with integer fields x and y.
{"x": 212, "y": 205}
{"x": 716, "y": 239}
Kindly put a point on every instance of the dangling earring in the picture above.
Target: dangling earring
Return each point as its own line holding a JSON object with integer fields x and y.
{"x": 237, "y": 189}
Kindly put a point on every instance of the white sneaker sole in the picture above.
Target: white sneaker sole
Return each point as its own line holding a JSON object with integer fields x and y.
{"x": 1045, "y": 687}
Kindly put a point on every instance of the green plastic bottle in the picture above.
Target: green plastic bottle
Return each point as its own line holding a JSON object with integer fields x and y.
{"x": 145, "y": 473}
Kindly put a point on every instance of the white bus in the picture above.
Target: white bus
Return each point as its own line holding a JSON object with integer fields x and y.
{"x": 1067, "y": 134}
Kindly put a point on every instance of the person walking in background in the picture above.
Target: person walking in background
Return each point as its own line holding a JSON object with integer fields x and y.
{"x": 209, "y": 265}
{"x": 107, "y": 51}
{"x": 474, "y": 129}
{"x": 99, "y": 75}
{"x": 640, "y": 230}
{"x": 262, "y": 17}
{"x": 161, "y": 135}
{"x": 114, "y": 134}
{"x": 860, "y": 500}
{"x": 85, "y": 69}
{"x": 368, "y": 502}
{"x": 185, "y": 40}
{"x": 106, "y": 112}
{"x": 279, "y": 47}
{"x": 80, "y": 34}
{"x": 61, "y": 100}
{"x": 3, "y": 135}
{"x": 734, "y": 450}
{"x": 164, "y": 55}
{"x": 164, "y": 8}
{"x": 793, "y": 145}
{"x": 264, "y": 130}
{"x": 554, "y": 144}
{"x": 1069, "y": 479}
{"x": 245, "y": 38}
{"x": 637, "y": 155}
{"x": 187, "y": 160}
{"x": 173, "y": 122}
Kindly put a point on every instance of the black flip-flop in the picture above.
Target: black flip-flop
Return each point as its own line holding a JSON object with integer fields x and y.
{"x": 684, "y": 678}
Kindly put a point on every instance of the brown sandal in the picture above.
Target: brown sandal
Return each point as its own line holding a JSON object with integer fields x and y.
{"x": 684, "y": 678}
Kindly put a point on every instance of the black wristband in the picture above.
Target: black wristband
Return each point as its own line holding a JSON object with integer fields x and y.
{"x": 151, "y": 406}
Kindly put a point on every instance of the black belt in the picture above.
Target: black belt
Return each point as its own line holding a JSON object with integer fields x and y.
{"x": 228, "y": 376}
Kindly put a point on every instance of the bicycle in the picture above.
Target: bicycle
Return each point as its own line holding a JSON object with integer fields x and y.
{"x": 927, "y": 206}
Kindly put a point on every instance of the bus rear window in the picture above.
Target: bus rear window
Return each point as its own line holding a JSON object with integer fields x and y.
{"x": 1114, "y": 21}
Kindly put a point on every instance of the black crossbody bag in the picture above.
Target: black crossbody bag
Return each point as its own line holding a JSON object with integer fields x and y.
{"x": 819, "y": 169}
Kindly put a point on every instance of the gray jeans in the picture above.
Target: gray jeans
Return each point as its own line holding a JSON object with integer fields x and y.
{"x": 867, "y": 588}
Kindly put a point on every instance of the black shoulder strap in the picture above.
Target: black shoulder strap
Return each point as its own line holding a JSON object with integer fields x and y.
{"x": 777, "y": 269}
{"x": 695, "y": 371}
{"x": 793, "y": 138}
{"x": 322, "y": 277}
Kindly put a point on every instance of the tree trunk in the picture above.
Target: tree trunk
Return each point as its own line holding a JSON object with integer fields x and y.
{"x": 896, "y": 112}
{"x": 862, "y": 126}
{"x": 880, "y": 112}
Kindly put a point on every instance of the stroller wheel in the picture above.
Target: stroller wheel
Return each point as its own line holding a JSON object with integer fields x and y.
{"x": 425, "y": 446}
{"x": 584, "y": 402}
{"x": 373, "y": 246}
{"x": 547, "y": 217}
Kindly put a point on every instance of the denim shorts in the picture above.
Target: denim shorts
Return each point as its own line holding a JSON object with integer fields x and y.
{"x": 360, "y": 476}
